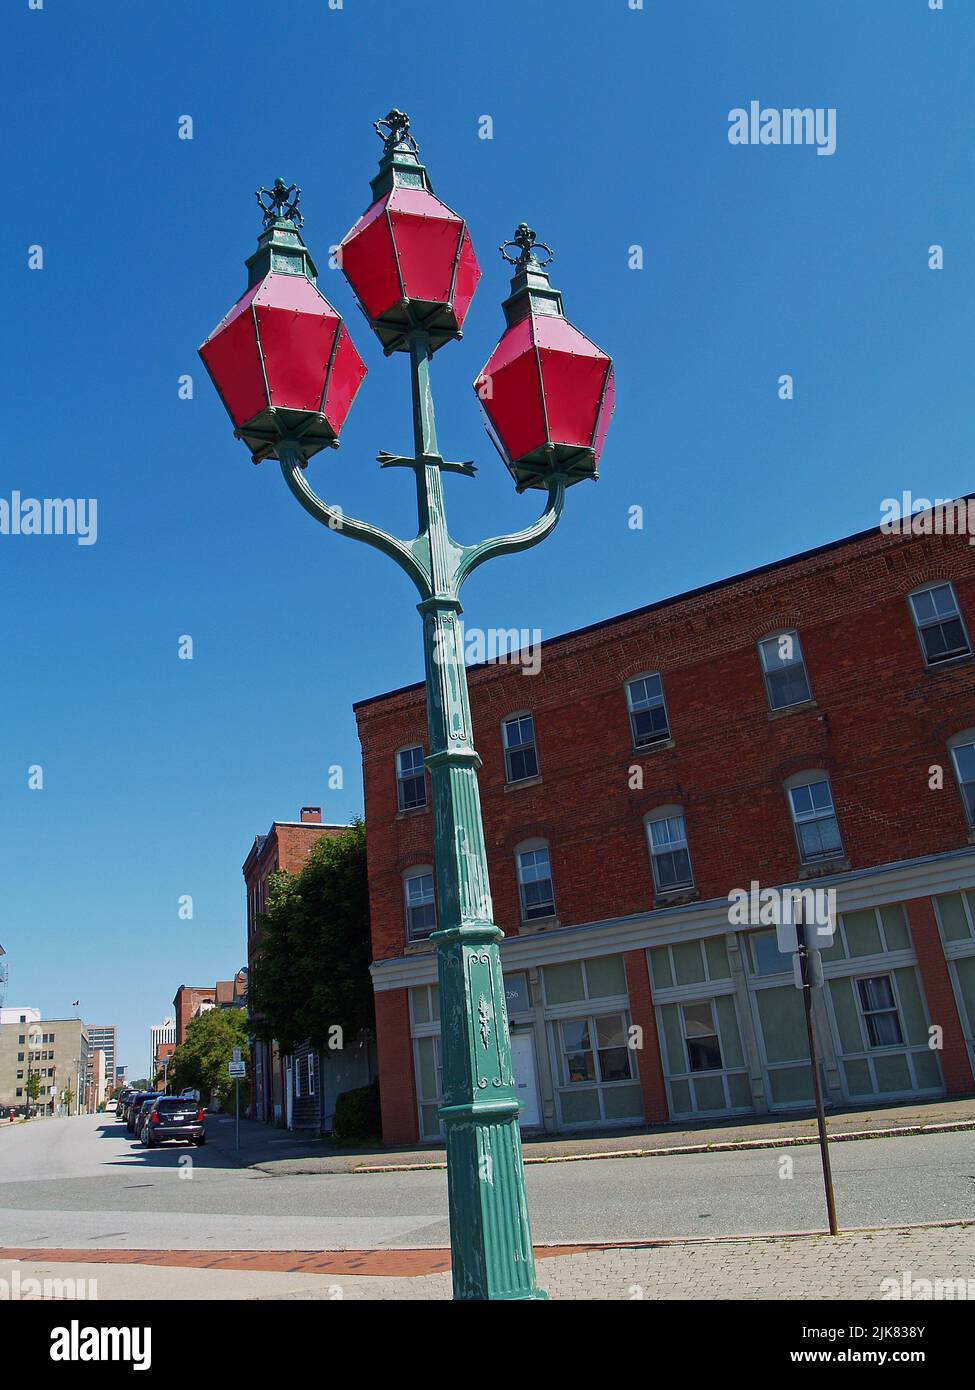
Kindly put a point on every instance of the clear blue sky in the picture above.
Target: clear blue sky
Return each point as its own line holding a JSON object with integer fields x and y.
{"x": 610, "y": 129}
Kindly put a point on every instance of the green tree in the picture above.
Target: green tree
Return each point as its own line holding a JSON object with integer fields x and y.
{"x": 67, "y": 1097}
{"x": 33, "y": 1087}
{"x": 201, "y": 1060}
{"x": 312, "y": 972}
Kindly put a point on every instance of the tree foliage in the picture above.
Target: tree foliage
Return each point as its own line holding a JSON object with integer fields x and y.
{"x": 312, "y": 972}
{"x": 201, "y": 1060}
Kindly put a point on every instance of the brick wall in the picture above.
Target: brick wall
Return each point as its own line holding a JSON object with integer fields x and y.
{"x": 879, "y": 722}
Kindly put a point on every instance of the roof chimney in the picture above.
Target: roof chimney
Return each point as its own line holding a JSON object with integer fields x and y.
{"x": 311, "y": 815}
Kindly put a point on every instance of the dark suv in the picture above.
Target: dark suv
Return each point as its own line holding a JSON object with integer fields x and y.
{"x": 174, "y": 1117}
{"x": 134, "y": 1104}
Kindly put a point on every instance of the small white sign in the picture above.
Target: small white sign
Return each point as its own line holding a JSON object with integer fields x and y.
{"x": 236, "y": 1054}
{"x": 818, "y": 915}
{"x": 237, "y": 1069}
{"x": 815, "y": 966}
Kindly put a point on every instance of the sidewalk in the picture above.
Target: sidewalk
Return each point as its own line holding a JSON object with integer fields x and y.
{"x": 857, "y": 1264}
{"x": 279, "y": 1151}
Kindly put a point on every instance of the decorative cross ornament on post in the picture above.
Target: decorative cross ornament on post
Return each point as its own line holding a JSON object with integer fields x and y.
{"x": 547, "y": 395}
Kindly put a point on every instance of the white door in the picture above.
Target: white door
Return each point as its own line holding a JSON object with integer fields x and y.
{"x": 523, "y": 1062}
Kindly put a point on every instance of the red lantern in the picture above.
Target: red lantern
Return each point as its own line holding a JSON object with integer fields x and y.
{"x": 282, "y": 359}
{"x": 547, "y": 391}
{"x": 409, "y": 258}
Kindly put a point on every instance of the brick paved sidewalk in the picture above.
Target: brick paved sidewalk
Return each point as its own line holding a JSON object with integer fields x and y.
{"x": 850, "y": 1266}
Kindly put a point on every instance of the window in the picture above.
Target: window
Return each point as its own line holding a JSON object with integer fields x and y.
{"x": 311, "y": 1073}
{"x": 879, "y": 1009}
{"x": 22, "y": 1038}
{"x": 964, "y": 759}
{"x": 648, "y": 712}
{"x": 701, "y": 1037}
{"x": 421, "y": 914}
{"x": 535, "y": 883}
{"x": 594, "y": 1049}
{"x": 411, "y": 782}
{"x": 520, "y": 755}
{"x": 817, "y": 830}
{"x": 669, "y": 854}
{"x": 940, "y": 629}
{"x": 784, "y": 669}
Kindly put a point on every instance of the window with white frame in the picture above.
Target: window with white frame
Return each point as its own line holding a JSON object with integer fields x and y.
{"x": 411, "y": 782}
{"x": 648, "y": 711}
{"x": 814, "y": 818}
{"x": 421, "y": 913}
{"x": 535, "y": 881}
{"x": 594, "y": 1049}
{"x": 879, "y": 1009}
{"x": 701, "y": 1036}
{"x": 311, "y": 1073}
{"x": 520, "y": 753}
{"x": 963, "y": 756}
{"x": 784, "y": 669}
{"x": 940, "y": 628}
{"x": 669, "y": 854}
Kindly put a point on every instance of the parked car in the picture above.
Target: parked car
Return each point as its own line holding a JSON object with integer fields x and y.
{"x": 173, "y": 1117}
{"x": 190, "y": 1093}
{"x": 142, "y": 1114}
{"x": 133, "y": 1105}
{"x": 121, "y": 1100}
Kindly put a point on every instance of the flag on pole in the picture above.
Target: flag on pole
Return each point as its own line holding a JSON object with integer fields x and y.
{"x": 75, "y": 1003}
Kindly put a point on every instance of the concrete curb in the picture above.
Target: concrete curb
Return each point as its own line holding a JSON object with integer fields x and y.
{"x": 794, "y": 1141}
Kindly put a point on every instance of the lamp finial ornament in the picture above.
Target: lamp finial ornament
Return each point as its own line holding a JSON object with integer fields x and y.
{"x": 281, "y": 202}
{"x": 394, "y": 130}
{"x": 528, "y": 245}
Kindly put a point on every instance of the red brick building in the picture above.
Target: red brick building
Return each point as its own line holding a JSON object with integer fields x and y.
{"x": 285, "y": 846}
{"x": 189, "y": 1002}
{"x": 812, "y": 721}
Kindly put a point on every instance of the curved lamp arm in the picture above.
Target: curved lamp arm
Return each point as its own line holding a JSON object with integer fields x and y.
{"x": 336, "y": 520}
{"x": 474, "y": 555}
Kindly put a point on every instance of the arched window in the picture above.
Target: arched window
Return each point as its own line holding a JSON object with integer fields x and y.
{"x": 520, "y": 752}
{"x": 939, "y": 624}
{"x": 411, "y": 782}
{"x": 814, "y": 816}
{"x": 419, "y": 903}
{"x": 670, "y": 856}
{"x": 962, "y": 748}
{"x": 649, "y": 722}
{"x": 784, "y": 669}
{"x": 535, "y": 880}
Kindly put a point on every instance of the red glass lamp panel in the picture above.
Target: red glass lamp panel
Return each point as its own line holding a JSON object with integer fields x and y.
{"x": 233, "y": 360}
{"x": 369, "y": 262}
{"x": 348, "y": 370}
{"x": 606, "y": 411}
{"x": 514, "y": 405}
{"x": 468, "y": 274}
{"x": 296, "y": 328}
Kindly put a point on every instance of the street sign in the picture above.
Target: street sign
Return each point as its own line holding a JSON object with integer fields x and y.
{"x": 236, "y": 1054}
{"x": 820, "y": 925}
{"x": 237, "y": 1069}
{"x": 814, "y": 965}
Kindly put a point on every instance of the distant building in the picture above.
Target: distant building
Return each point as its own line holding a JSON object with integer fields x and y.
{"x": 301, "y": 1089}
{"x": 163, "y": 1035}
{"x": 56, "y": 1050}
{"x": 190, "y": 1001}
{"x": 102, "y": 1037}
{"x": 19, "y": 1015}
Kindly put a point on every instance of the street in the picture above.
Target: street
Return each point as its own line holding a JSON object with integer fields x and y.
{"x": 81, "y": 1182}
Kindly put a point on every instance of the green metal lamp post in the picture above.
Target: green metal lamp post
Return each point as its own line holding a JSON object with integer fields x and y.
{"x": 411, "y": 263}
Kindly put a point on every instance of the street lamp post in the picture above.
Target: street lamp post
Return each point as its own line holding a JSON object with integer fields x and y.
{"x": 33, "y": 1033}
{"x": 287, "y": 372}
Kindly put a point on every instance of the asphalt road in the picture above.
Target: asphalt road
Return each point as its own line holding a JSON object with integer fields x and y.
{"x": 81, "y": 1182}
